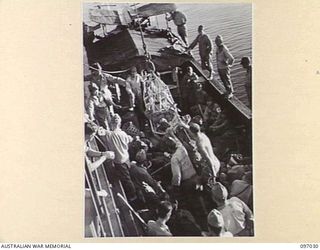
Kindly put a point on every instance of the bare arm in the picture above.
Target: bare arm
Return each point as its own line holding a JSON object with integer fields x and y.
{"x": 91, "y": 110}
{"x": 94, "y": 165}
{"x": 230, "y": 58}
{"x": 194, "y": 43}
{"x": 176, "y": 172}
{"x": 115, "y": 79}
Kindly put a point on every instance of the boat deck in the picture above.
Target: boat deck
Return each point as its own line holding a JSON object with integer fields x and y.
{"x": 233, "y": 103}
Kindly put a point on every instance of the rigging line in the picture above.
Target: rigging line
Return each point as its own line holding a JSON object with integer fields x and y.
{"x": 108, "y": 72}
{"x": 142, "y": 38}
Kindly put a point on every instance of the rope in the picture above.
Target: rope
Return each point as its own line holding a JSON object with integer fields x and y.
{"x": 142, "y": 38}
{"x": 108, "y": 72}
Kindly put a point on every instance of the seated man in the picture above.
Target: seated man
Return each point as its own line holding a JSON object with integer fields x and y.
{"x": 200, "y": 100}
{"x": 211, "y": 112}
{"x": 220, "y": 125}
{"x": 149, "y": 191}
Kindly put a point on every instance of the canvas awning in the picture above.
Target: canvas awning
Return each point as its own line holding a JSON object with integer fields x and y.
{"x": 154, "y": 9}
{"x": 110, "y": 17}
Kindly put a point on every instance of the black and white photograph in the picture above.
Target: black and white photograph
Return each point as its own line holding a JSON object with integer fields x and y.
{"x": 168, "y": 120}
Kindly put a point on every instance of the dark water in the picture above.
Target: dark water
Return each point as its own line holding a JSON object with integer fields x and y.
{"x": 233, "y": 22}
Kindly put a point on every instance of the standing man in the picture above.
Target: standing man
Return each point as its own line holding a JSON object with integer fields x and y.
{"x": 224, "y": 61}
{"x": 97, "y": 106}
{"x": 183, "y": 172}
{"x": 205, "y": 148}
{"x": 105, "y": 79}
{"x": 246, "y": 64}
{"x": 180, "y": 21}
{"x": 118, "y": 141}
{"x": 205, "y": 50}
{"x": 135, "y": 86}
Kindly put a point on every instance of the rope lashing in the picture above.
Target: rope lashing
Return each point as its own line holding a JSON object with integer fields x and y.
{"x": 108, "y": 72}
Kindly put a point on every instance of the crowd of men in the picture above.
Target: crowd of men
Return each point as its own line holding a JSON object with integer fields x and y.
{"x": 193, "y": 193}
{"x": 224, "y": 58}
{"x": 183, "y": 179}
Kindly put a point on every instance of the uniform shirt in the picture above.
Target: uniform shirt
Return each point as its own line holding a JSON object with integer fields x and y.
{"x": 224, "y": 58}
{"x": 181, "y": 166}
{"x": 157, "y": 229}
{"x": 140, "y": 174}
{"x": 113, "y": 79}
{"x": 205, "y": 45}
{"x": 188, "y": 84}
{"x": 95, "y": 101}
{"x": 178, "y": 18}
{"x": 135, "y": 83}
{"x": 235, "y": 213}
{"x": 117, "y": 141}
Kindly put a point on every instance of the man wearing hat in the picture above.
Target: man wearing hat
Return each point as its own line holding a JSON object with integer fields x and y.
{"x": 246, "y": 64}
{"x": 180, "y": 21}
{"x": 224, "y": 62}
{"x": 205, "y": 50}
{"x": 97, "y": 107}
{"x": 237, "y": 216}
{"x": 216, "y": 225}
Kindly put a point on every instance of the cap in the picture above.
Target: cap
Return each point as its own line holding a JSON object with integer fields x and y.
{"x": 245, "y": 60}
{"x": 215, "y": 219}
{"x": 194, "y": 127}
{"x": 219, "y": 192}
{"x": 197, "y": 119}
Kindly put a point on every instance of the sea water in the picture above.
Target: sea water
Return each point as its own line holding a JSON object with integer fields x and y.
{"x": 234, "y": 23}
